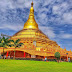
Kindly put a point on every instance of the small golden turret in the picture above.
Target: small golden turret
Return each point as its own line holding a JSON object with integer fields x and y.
{"x": 31, "y": 23}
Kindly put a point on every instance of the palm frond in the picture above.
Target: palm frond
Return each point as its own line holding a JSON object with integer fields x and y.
{"x": 20, "y": 44}
{"x": 4, "y": 46}
{"x": 1, "y": 44}
{"x": 11, "y": 40}
{"x": 17, "y": 41}
{"x": 6, "y": 39}
{"x": 0, "y": 39}
{"x": 10, "y": 45}
{"x": 3, "y": 38}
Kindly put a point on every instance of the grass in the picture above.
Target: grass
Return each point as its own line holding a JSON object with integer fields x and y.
{"x": 34, "y": 66}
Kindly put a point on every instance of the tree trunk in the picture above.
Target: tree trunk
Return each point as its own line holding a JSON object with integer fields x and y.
{"x": 58, "y": 60}
{"x": 3, "y": 53}
{"x": 14, "y": 54}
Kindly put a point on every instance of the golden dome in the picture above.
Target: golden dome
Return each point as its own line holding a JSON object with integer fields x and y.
{"x": 31, "y": 32}
{"x": 31, "y": 23}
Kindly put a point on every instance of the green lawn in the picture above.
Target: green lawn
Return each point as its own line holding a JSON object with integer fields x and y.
{"x": 34, "y": 66}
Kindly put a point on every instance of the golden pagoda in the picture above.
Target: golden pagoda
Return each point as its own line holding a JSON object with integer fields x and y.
{"x": 36, "y": 43}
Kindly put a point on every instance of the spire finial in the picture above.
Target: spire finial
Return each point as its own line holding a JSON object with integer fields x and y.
{"x": 32, "y": 4}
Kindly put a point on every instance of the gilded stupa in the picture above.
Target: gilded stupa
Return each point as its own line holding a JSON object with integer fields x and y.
{"x": 36, "y": 43}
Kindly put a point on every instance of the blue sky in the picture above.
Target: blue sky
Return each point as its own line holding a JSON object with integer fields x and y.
{"x": 54, "y": 18}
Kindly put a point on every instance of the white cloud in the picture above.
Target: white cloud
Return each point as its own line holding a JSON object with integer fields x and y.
{"x": 42, "y": 18}
{"x": 5, "y": 4}
{"x": 15, "y": 27}
{"x": 56, "y": 10}
{"x": 48, "y": 31}
{"x": 64, "y": 16}
{"x": 60, "y": 8}
{"x": 67, "y": 17}
{"x": 65, "y": 36}
{"x": 47, "y": 2}
{"x": 68, "y": 36}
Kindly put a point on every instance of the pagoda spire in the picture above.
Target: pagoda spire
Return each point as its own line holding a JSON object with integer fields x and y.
{"x": 31, "y": 23}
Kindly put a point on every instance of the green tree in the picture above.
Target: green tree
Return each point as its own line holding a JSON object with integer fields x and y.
{"x": 57, "y": 55}
{"x": 16, "y": 44}
{"x": 5, "y": 42}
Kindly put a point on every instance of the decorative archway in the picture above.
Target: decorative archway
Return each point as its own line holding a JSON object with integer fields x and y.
{"x": 18, "y": 54}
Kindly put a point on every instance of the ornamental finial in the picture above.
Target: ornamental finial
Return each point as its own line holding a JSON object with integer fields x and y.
{"x": 32, "y": 4}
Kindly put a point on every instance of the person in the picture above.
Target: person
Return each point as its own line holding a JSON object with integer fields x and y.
{"x": 4, "y": 56}
{"x": 0, "y": 56}
{"x": 11, "y": 57}
{"x": 45, "y": 58}
{"x": 8, "y": 57}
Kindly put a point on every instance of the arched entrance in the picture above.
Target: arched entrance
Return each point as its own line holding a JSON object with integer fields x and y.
{"x": 18, "y": 54}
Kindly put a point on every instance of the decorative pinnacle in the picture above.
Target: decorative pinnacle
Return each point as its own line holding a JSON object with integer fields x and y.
{"x": 32, "y": 4}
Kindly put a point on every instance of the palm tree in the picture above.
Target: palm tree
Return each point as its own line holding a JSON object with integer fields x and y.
{"x": 4, "y": 42}
{"x": 16, "y": 44}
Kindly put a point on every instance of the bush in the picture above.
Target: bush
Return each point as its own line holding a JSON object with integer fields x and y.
{"x": 71, "y": 61}
{"x": 57, "y": 55}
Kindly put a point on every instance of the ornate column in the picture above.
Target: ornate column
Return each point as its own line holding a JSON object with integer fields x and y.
{"x": 7, "y": 54}
{"x": 44, "y": 57}
{"x": 24, "y": 54}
